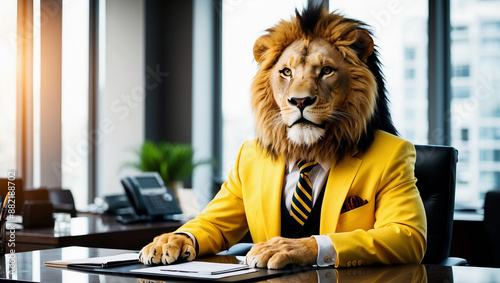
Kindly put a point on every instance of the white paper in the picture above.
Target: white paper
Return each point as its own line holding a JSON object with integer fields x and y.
{"x": 95, "y": 260}
{"x": 208, "y": 268}
{"x": 197, "y": 269}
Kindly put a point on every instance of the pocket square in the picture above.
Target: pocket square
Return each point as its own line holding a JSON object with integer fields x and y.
{"x": 353, "y": 202}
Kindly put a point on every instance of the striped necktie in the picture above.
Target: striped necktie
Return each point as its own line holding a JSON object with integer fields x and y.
{"x": 302, "y": 197}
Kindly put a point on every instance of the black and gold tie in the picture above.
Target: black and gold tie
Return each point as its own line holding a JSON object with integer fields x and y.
{"x": 302, "y": 197}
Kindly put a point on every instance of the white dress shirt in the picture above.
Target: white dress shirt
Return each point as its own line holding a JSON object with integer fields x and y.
{"x": 327, "y": 255}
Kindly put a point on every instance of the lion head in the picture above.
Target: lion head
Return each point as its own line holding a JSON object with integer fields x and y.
{"x": 319, "y": 92}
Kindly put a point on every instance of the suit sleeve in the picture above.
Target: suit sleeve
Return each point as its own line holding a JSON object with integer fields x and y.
{"x": 399, "y": 232}
{"x": 223, "y": 222}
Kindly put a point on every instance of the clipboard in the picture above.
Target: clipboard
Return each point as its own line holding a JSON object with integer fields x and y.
{"x": 96, "y": 262}
{"x": 121, "y": 266}
{"x": 197, "y": 270}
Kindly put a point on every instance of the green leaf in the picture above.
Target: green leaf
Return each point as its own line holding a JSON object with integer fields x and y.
{"x": 173, "y": 161}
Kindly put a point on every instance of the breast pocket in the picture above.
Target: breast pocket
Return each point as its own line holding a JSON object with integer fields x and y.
{"x": 362, "y": 217}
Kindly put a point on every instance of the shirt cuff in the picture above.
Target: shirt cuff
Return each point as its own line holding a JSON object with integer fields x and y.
{"x": 327, "y": 255}
{"x": 327, "y": 275}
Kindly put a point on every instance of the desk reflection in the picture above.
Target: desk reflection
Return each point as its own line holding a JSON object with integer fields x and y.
{"x": 30, "y": 268}
{"x": 411, "y": 273}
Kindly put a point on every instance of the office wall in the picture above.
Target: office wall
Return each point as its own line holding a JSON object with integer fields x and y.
{"x": 121, "y": 99}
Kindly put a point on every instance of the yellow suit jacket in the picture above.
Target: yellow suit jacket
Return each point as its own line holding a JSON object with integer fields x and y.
{"x": 389, "y": 229}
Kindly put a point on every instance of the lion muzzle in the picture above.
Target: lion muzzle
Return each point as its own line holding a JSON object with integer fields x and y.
{"x": 303, "y": 102}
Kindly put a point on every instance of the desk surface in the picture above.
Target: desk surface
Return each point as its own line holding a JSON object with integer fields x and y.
{"x": 93, "y": 231}
{"x": 31, "y": 268}
{"x": 468, "y": 216}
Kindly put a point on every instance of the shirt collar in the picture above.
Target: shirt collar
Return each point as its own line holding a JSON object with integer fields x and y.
{"x": 326, "y": 165}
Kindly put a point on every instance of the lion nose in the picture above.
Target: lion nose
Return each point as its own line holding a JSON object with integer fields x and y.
{"x": 303, "y": 102}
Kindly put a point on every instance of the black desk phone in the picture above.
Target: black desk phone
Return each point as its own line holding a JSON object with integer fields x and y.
{"x": 149, "y": 196}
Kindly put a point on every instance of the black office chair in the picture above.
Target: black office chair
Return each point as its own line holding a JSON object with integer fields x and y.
{"x": 435, "y": 169}
{"x": 492, "y": 225}
{"x": 37, "y": 209}
{"x": 62, "y": 200}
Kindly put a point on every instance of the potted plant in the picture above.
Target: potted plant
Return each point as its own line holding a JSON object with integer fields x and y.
{"x": 173, "y": 161}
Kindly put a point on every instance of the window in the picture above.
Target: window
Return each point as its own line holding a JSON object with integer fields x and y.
{"x": 8, "y": 55}
{"x": 461, "y": 92}
{"x": 491, "y": 44}
{"x": 464, "y": 156}
{"x": 68, "y": 148}
{"x": 240, "y": 30}
{"x": 489, "y": 107}
{"x": 460, "y": 49}
{"x": 459, "y": 31}
{"x": 465, "y": 135}
{"x": 489, "y": 155}
{"x": 409, "y": 53}
{"x": 461, "y": 71}
{"x": 491, "y": 133}
{"x": 490, "y": 64}
{"x": 490, "y": 180}
{"x": 400, "y": 32}
{"x": 73, "y": 163}
{"x": 409, "y": 74}
{"x": 475, "y": 104}
{"x": 75, "y": 97}
{"x": 492, "y": 27}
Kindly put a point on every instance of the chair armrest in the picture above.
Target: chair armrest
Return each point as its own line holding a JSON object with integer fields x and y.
{"x": 452, "y": 261}
{"x": 240, "y": 249}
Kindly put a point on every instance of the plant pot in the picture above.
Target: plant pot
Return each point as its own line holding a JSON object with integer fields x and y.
{"x": 174, "y": 186}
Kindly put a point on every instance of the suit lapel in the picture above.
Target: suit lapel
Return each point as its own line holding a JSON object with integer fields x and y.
{"x": 339, "y": 181}
{"x": 272, "y": 186}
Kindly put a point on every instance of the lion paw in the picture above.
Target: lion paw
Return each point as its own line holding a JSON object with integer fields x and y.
{"x": 279, "y": 252}
{"x": 168, "y": 248}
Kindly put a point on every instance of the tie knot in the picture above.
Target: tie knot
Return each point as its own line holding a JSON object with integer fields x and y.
{"x": 306, "y": 166}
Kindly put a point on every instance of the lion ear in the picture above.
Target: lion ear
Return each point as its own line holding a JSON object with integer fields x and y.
{"x": 363, "y": 43}
{"x": 259, "y": 48}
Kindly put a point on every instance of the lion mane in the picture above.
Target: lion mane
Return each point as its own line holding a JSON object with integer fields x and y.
{"x": 362, "y": 110}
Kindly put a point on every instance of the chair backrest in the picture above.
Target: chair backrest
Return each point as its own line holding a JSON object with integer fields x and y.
{"x": 62, "y": 200}
{"x": 435, "y": 169}
{"x": 492, "y": 225}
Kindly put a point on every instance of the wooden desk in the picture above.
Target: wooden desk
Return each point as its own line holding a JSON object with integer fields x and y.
{"x": 31, "y": 268}
{"x": 93, "y": 231}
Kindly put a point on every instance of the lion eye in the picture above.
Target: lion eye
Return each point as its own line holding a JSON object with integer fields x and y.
{"x": 286, "y": 72}
{"x": 326, "y": 70}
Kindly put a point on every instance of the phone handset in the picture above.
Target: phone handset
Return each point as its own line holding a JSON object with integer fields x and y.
{"x": 133, "y": 195}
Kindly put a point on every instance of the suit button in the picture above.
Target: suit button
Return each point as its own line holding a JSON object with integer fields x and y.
{"x": 349, "y": 264}
{"x": 354, "y": 263}
{"x": 360, "y": 262}
{"x": 327, "y": 259}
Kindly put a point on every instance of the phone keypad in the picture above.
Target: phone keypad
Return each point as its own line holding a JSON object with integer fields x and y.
{"x": 157, "y": 205}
